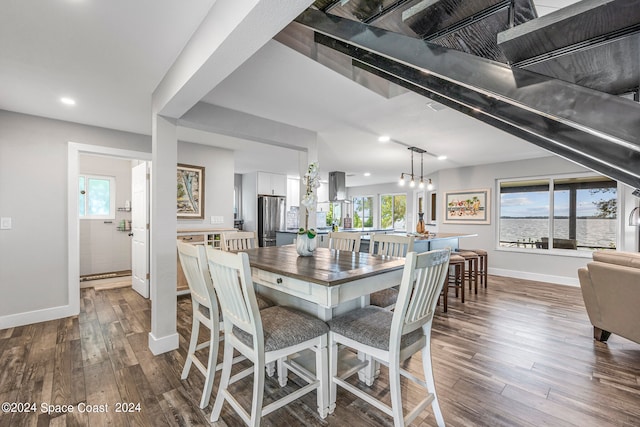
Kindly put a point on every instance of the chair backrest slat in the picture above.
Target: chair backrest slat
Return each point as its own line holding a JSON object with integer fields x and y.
{"x": 422, "y": 281}
{"x": 344, "y": 240}
{"x": 194, "y": 266}
{"x": 391, "y": 245}
{"x": 239, "y": 240}
{"x": 231, "y": 277}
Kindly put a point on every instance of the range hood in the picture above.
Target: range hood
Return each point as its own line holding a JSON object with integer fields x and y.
{"x": 337, "y": 187}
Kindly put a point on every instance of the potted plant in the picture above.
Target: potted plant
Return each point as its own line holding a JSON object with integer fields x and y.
{"x": 306, "y": 242}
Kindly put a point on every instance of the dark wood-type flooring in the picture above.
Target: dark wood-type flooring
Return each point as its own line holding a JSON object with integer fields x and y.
{"x": 518, "y": 354}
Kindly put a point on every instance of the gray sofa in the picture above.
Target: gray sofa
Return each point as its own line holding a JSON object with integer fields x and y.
{"x": 611, "y": 291}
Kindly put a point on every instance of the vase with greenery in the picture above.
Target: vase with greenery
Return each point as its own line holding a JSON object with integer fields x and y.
{"x": 306, "y": 242}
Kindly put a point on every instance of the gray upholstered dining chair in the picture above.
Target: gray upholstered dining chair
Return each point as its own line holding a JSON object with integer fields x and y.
{"x": 391, "y": 337}
{"x": 270, "y": 335}
{"x": 391, "y": 245}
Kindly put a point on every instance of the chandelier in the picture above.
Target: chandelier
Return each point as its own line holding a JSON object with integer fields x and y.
{"x": 412, "y": 182}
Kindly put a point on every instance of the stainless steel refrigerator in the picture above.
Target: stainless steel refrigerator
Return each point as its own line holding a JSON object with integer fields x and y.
{"x": 271, "y": 218}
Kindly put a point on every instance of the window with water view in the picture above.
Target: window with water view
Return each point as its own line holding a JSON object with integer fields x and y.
{"x": 584, "y": 213}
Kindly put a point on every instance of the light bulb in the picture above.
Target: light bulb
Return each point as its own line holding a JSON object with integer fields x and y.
{"x": 412, "y": 183}
{"x": 421, "y": 185}
{"x": 401, "y": 182}
{"x": 430, "y": 185}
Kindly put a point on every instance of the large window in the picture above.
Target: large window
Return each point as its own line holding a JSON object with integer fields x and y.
{"x": 363, "y": 211}
{"x": 393, "y": 211}
{"x": 579, "y": 212}
{"x": 97, "y": 196}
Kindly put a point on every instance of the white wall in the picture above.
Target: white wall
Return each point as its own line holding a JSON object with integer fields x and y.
{"x": 557, "y": 267}
{"x": 33, "y": 192}
{"x": 543, "y": 266}
{"x": 219, "y": 181}
{"x": 102, "y": 247}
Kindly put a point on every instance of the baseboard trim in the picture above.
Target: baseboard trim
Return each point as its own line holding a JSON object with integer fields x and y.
{"x": 163, "y": 344}
{"x": 558, "y": 280}
{"x": 37, "y": 316}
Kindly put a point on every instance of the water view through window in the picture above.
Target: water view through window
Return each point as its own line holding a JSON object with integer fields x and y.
{"x": 584, "y": 213}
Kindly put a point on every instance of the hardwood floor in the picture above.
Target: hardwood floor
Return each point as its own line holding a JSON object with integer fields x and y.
{"x": 518, "y": 354}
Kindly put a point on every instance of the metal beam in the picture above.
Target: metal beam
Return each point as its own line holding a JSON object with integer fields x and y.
{"x": 591, "y": 128}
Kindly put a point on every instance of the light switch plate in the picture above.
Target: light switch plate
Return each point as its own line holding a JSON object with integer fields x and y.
{"x": 5, "y": 223}
{"x": 217, "y": 219}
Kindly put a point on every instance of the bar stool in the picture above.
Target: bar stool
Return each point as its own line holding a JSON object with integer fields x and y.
{"x": 456, "y": 280}
{"x": 471, "y": 258}
{"x": 483, "y": 264}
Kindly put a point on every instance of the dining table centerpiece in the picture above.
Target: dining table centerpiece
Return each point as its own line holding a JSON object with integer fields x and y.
{"x": 306, "y": 242}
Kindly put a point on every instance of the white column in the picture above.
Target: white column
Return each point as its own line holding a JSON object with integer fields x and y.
{"x": 163, "y": 336}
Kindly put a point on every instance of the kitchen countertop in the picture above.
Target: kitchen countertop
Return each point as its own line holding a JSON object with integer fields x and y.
{"x": 327, "y": 230}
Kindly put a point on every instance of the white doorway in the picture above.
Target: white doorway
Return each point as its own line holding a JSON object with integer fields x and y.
{"x": 74, "y": 151}
{"x": 140, "y": 229}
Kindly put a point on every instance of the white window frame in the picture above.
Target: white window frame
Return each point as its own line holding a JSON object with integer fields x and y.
{"x": 112, "y": 197}
{"x": 405, "y": 213}
{"x": 373, "y": 211}
{"x": 551, "y": 179}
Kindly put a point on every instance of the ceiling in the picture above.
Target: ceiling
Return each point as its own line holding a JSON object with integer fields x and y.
{"x": 110, "y": 56}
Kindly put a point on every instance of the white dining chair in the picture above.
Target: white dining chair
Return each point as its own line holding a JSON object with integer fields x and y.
{"x": 193, "y": 260}
{"x": 391, "y": 337}
{"x": 344, "y": 240}
{"x": 205, "y": 312}
{"x": 390, "y": 245}
{"x": 239, "y": 240}
{"x": 270, "y": 335}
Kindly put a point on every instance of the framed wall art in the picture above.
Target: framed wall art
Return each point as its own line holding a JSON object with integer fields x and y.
{"x": 190, "y": 201}
{"x": 467, "y": 206}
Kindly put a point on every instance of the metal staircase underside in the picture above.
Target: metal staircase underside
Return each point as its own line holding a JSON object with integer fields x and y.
{"x": 595, "y": 129}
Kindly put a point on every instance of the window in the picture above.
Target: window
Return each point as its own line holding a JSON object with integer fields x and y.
{"x": 97, "y": 197}
{"x": 333, "y": 215}
{"x": 393, "y": 211}
{"x": 579, "y": 212}
{"x": 363, "y": 211}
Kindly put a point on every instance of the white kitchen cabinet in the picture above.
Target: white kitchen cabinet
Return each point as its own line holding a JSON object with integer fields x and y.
{"x": 272, "y": 184}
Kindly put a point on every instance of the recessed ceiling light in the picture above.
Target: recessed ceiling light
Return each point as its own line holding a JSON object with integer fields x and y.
{"x": 384, "y": 138}
{"x": 367, "y": 174}
{"x": 67, "y": 101}
{"x": 442, "y": 157}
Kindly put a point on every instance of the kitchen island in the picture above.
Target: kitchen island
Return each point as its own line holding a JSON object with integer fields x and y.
{"x": 425, "y": 244}
{"x": 421, "y": 244}
{"x": 287, "y": 237}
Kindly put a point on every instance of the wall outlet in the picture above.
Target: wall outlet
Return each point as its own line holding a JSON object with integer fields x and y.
{"x": 5, "y": 223}
{"x": 217, "y": 219}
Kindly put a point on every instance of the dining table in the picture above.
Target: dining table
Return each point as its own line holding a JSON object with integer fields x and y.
{"x": 328, "y": 283}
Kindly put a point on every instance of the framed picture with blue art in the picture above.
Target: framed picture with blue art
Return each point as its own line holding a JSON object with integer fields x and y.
{"x": 190, "y": 202}
{"x": 467, "y": 206}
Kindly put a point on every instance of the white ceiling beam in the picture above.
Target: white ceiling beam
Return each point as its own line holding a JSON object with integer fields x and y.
{"x": 231, "y": 32}
{"x": 224, "y": 121}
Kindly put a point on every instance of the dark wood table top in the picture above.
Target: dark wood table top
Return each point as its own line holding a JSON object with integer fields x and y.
{"x": 327, "y": 267}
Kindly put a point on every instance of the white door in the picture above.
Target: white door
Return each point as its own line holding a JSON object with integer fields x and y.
{"x": 139, "y": 229}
